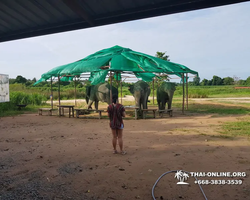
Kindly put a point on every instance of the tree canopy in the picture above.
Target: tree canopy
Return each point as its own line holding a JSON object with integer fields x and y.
{"x": 162, "y": 55}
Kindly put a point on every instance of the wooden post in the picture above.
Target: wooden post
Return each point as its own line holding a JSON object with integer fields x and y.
{"x": 121, "y": 90}
{"x": 183, "y": 91}
{"x": 186, "y": 91}
{"x": 51, "y": 93}
{"x": 75, "y": 91}
{"x": 117, "y": 86}
{"x": 153, "y": 91}
{"x": 110, "y": 87}
{"x": 59, "y": 90}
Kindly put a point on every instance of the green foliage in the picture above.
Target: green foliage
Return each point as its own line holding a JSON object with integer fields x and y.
{"x": 12, "y": 80}
{"x": 228, "y": 81}
{"x": 162, "y": 55}
{"x": 20, "y": 98}
{"x": 248, "y": 81}
{"x": 225, "y": 81}
{"x": 204, "y": 82}
{"x": 196, "y": 80}
{"x": 217, "y": 80}
{"x": 23, "y": 98}
{"x": 20, "y": 79}
{"x": 242, "y": 82}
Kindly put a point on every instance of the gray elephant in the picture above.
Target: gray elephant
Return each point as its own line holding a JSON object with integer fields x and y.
{"x": 140, "y": 91}
{"x": 100, "y": 92}
{"x": 165, "y": 95}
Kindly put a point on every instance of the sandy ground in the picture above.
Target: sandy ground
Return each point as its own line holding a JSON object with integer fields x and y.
{"x": 51, "y": 157}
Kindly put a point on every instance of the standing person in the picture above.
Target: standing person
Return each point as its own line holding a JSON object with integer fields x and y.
{"x": 115, "y": 112}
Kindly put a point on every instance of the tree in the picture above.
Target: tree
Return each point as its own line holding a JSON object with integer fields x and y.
{"x": 20, "y": 79}
{"x": 162, "y": 55}
{"x": 209, "y": 82}
{"x": 204, "y": 82}
{"x": 242, "y": 82}
{"x": 217, "y": 80}
{"x": 228, "y": 81}
{"x": 163, "y": 76}
{"x": 196, "y": 80}
{"x": 248, "y": 81}
{"x": 12, "y": 81}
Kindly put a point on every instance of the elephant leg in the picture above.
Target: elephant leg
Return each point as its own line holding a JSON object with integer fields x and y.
{"x": 145, "y": 101}
{"x": 169, "y": 104}
{"x": 90, "y": 104}
{"x": 96, "y": 105}
{"x": 159, "y": 105}
{"x": 137, "y": 103}
{"x": 170, "y": 101}
{"x": 164, "y": 105}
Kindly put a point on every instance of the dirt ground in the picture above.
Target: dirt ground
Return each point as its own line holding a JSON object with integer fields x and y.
{"x": 51, "y": 157}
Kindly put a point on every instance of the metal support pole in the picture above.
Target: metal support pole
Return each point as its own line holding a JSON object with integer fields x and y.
{"x": 110, "y": 87}
{"x": 153, "y": 91}
{"x": 51, "y": 94}
{"x": 117, "y": 82}
{"x": 183, "y": 91}
{"x": 75, "y": 91}
{"x": 121, "y": 90}
{"x": 59, "y": 90}
{"x": 186, "y": 91}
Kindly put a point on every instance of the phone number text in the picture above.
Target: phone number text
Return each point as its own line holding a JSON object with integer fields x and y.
{"x": 219, "y": 182}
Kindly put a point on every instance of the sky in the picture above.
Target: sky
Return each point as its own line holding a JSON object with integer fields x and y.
{"x": 214, "y": 41}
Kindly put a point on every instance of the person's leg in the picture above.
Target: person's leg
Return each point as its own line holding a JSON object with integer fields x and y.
{"x": 114, "y": 139}
{"x": 120, "y": 140}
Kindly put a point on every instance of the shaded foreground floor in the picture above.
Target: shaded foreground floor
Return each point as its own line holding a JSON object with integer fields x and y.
{"x": 47, "y": 157}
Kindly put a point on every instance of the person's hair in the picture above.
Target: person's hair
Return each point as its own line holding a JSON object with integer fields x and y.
{"x": 114, "y": 98}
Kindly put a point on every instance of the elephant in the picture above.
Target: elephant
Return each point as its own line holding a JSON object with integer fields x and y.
{"x": 99, "y": 92}
{"x": 165, "y": 95}
{"x": 140, "y": 91}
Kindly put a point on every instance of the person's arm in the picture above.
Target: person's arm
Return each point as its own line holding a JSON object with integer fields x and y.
{"x": 123, "y": 112}
{"x": 108, "y": 111}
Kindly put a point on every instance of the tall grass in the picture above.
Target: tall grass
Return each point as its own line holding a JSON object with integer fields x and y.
{"x": 17, "y": 98}
{"x": 65, "y": 92}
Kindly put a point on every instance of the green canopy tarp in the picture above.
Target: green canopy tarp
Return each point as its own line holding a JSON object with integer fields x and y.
{"x": 117, "y": 59}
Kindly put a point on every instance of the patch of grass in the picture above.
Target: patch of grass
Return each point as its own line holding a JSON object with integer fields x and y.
{"x": 218, "y": 109}
{"x": 240, "y": 127}
{"x": 203, "y": 134}
{"x": 28, "y": 109}
{"x": 222, "y": 137}
{"x": 9, "y": 113}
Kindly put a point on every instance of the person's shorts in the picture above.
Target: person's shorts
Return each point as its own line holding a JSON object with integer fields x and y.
{"x": 122, "y": 126}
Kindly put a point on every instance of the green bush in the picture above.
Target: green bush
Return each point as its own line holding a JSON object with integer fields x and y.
{"x": 22, "y": 98}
